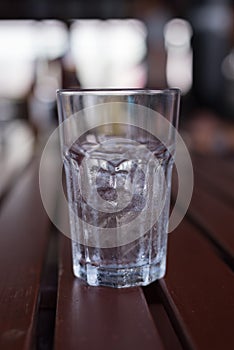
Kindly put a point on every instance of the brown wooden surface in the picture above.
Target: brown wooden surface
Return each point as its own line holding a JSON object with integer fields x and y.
{"x": 216, "y": 218}
{"x": 95, "y": 317}
{"x": 212, "y": 204}
{"x": 217, "y": 176}
{"x": 211, "y": 207}
{"x": 199, "y": 291}
{"x": 191, "y": 308}
{"x": 23, "y": 240}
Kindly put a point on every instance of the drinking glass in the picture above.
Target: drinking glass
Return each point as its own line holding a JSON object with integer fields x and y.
{"x": 118, "y": 148}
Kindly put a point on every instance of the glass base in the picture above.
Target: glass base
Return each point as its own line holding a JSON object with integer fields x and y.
{"x": 120, "y": 277}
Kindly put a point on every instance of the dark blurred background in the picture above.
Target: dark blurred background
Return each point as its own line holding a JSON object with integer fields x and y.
{"x": 45, "y": 45}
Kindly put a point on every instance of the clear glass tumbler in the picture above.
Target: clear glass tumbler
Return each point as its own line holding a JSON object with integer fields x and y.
{"x": 117, "y": 148}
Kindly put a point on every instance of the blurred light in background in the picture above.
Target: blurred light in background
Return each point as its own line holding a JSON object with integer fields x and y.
{"x": 228, "y": 66}
{"x": 227, "y": 69}
{"x": 213, "y": 27}
{"x": 22, "y": 44}
{"x": 177, "y": 36}
{"x": 109, "y": 53}
{"x": 16, "y": 57}
{"x": 52, "y": 39}
{"x": 213, "y": 16}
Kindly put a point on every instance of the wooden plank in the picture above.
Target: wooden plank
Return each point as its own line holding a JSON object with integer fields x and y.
{"x": 198, "y": 291}
{"x": 23, "y": 241}
{"x": 216, "y": 217}
{"x": 100, "y": 317}
{"x": 164, "y": 326}
{"x": 213, "y": 212}
{"x": 215, "y": 176}
{"x": 215, "y": 164}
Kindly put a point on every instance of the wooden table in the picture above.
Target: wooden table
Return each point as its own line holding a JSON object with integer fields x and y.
{"x": 42, "y": 306}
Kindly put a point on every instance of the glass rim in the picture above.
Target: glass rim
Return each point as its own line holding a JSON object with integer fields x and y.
{"x": 115, "y": 91}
